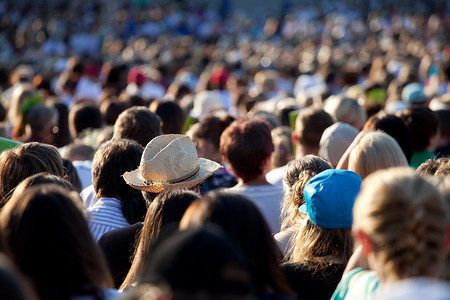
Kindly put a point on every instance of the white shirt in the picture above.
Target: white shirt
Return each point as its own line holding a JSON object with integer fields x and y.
{"x": 268, "y": 199}
{"x": 105, "y": 215}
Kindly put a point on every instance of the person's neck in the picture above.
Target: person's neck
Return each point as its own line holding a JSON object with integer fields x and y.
{"x": 260, "y": 180}
{"x": 303, "y": 150}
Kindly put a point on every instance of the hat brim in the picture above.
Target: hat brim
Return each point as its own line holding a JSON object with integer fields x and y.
{"x": 207, "y": 168}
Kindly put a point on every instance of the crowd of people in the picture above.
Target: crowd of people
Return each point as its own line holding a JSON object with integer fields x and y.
{"x": 186, "y": 150}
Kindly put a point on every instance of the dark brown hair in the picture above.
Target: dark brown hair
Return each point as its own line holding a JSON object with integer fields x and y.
{"x": 28, "y": 159}
{"x": 138, "y": 124}
{"x": 50, "y": 242}
{"x": 111, "y": 160}
{"x": 242, "y": 220}
{"x": 167, "y": 208}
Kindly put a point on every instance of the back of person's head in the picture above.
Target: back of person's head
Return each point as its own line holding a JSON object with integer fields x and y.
{"x": 247, "y": 145}
{"x": 166, "y": 209}
{"x": 395, "y": 127}
{"x": 297, "y": 174}
{"x": 405, "y": 217}
{"x": 79, "y": 151}
{"x": 325, "y": 233}
{"x": 43, "y": 122}
{"x": 138, "y": 124}
{"x": 28, "y": 159}
{"x": 375, "y": 151}
{"x": 199, "y": 263}
{"x": 50, "y": 242}
{"x": 84, "y": 116}
{"x": 111, "y": 108}
{"x": 311, "y": 122}
{"x": 209, "y": 129}
{"x": 283, "y": 149}
{"x": 444, "y": 127}
{"x": 63, "y": 136}
{"x": 335, "y": 141}
{"x": 346, "y": 110}
{"x": 44, "y": 178}
{"x": 242, "y": 220}
{"x": 423, "y": 124}
{"x": 171, "y": 114}
{"x": 435, "y": 167}
{"x": 111, "y": 160}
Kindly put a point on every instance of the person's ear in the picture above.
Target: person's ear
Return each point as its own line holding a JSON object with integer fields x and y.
{"x": 295, "y": 138}
{"x": 366, "y": 243}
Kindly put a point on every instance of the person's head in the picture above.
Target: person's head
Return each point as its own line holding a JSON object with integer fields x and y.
{"x": 325, "y": 233}
{"x": 242, "y": 220}
{"x": 283, "y": 149}
{"x": 138, "y": 124}
{"x": 171, "y": 115}
{"x": 63, "y": 136}
{"x": 169, "y": 162}
{"x": 111, "y": 108}
{"x": 297, "y": 174}
{"x": 395, "y": 127}
{"x": 335, "y": 140}
{"x": 199, "y": 263}
{"x": 42, "y": 123}
{"x": 166, "y": 209}
{"x": 376, "y": 150}
{"x": 424, "y": 126}
{"x": 25, "y": 160}
{"x": 50, "y": 242}
{"x": 79, "y": 151}
{"x": 310, "y": 123}
{"x": 346, "y": 110}
{"x": 111, "y": 160}
{"x": 435, "y": 167}
{"x": 23, "y": 99}
{"x": 44, "y": 178}
{"x": 246, "y": 146}
{"x": 206, "y": 135}
{"x": 401, "y": 219}
{"x": 84, "y": 116}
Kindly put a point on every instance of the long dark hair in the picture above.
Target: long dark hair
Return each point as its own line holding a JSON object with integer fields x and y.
{"x": 242, "y": 219}
{"x": 167, "y": 208}
{"x": 49, "y": 240}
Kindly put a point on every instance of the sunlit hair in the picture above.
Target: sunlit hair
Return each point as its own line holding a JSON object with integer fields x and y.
{"x": 321, "y": 246}
{"x": 50, "y": 242}
{"x": 246, "y": 144}
{"x": 375, "y": 151}
{"x": 297, "y": 174}
{"x": 406, "y": 218}
{"x": 28, "y": 159}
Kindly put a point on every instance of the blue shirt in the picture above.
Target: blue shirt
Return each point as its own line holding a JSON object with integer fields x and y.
{"x": 105, "y": 215}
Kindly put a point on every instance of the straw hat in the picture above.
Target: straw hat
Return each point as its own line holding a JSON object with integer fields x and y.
{"x": 170, "y": 162}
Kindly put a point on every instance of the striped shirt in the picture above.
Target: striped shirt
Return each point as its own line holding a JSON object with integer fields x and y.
{"x": 105, "y": 215}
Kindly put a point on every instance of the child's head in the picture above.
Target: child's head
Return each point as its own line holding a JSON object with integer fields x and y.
{"x": 401, "y": 218}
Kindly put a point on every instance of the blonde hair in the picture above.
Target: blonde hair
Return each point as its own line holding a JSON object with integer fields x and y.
{"x": 297, "y": 174}
{"x": 405, "y": 217}
{"x": 376, "y": 150}
{"x": 313, "y": 243}
{"x": 346, "y": 110}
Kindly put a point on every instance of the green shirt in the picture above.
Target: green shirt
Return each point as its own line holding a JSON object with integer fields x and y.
{"x": 419, "y": 157}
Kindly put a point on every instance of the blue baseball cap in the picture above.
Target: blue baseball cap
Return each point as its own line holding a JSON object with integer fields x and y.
{"x": 329, "y": 198}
